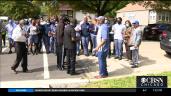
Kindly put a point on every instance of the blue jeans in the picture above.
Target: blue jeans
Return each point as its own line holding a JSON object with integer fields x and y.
{"x": 85, "y": 41}
{"x": 93, "y": 38}
{"x": 118, "y": 47}
{"x": 52, "y": 44}
{"x": 135, "y": 56}
{"x": 102, "y": 63}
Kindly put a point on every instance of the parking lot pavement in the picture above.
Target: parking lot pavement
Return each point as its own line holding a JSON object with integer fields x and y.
{"x": 43, "y": 67}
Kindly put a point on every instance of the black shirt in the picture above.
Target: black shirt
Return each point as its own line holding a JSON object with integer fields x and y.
{"x": 69, "y": 33}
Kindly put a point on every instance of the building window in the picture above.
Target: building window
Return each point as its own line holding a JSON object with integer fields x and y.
{"x": 152, "y": 15}
{"x": 163, "y": 17}
{"x": 160, "y": 17}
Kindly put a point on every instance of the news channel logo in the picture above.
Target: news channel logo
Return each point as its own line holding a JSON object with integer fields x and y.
{"x": 151, "y": 81}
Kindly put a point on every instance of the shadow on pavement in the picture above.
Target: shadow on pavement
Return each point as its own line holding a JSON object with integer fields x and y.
{"x": 86, "y": 65}
{"x": 146, "y": 61}
{"x": 122, "y": 71}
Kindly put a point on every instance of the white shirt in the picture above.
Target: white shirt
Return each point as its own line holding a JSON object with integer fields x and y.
{"x": 17, "y": 34}
{"x": 33, "y": 30}
{"x": 118, "y": 31}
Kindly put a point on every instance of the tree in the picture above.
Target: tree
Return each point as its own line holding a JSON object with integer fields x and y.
{"x": 100, "y": 7}
{"x": 19, "y": 9}
{"x": 156, "y": 4}
{"x": 49, "y": 7}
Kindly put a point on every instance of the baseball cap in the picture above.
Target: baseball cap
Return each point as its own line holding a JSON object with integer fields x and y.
{"x": 135, "y": 22}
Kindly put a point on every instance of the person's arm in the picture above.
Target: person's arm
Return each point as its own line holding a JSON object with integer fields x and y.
{"x": 113, "y": 28}
{"x": 104, "y": 38}
{"x": 138, "y": 40}
{"x": 73, "y": 35}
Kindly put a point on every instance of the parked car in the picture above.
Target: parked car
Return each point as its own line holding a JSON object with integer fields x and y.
{"x": 165, "y": 42}
{"x": 153, "y": 31}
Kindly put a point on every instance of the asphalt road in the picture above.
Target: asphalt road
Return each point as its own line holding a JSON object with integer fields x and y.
{"x": 42, "y": 67}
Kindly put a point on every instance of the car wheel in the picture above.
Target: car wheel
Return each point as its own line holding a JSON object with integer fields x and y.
{"x": 169, "y": 53}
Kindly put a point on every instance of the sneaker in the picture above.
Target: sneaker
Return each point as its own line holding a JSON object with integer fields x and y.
{"x": 74, "y": 73}
{"x": 116, "y": 57}
{"x": 120, "y": 58}
{"x": 99, "y": 77}
{"x": 9, "y": 52}
{"x": 134, "y": 66}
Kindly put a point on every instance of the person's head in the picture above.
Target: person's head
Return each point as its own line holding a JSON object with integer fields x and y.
{"x": 67, "y": 21}
{"x": 21, "y": 22}
{"x": 128, "y": 23}
{"x": 94, "y": 21}
{"x": 85, "y": 19}
{"x": 33, "y": 22}
{"x": 10, "y": 21}
{"x": 101, "y": 19}
{"x": 135, "y": 23}
{"x": 119, "y": 20}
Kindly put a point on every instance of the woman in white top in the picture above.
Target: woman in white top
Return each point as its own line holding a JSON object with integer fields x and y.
{"x": 33, "y": 33}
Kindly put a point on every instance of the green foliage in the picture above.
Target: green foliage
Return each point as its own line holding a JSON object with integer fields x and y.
{"x": 18, "y": 9}
{"x": 101, "y": 7}
{"x": 126, "y": 82}
{"x": 49, "y": 7}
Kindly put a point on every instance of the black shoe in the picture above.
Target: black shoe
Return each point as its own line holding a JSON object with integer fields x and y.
{"x": 68, "y": 72}
{"x": 120, "y": 58}
{"x": 9, "y": 52}
{"x": 87, "y": 55}
{"x": 59, "y": 67}
{"x": 108, "y": 56}
{"x": 26, "y": 71}
{"x": 12, "y": 68}
{"x": 116, "y": 57}
{"x": 74, "y": 73}
{"x": 134, "y": 66}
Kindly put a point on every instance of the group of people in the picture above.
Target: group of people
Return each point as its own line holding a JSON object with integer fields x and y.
{"x": 64, "y": 37}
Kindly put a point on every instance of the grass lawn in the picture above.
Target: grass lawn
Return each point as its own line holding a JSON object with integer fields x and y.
{"x": 126, "y": 82}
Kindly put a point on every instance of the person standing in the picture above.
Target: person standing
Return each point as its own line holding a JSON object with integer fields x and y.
{"x": 46, "y": 39}
{"x": 135, "y": 42}
{"x": 3, "y": 32}
{"x": 0, "y": 36}
{"x": 70, "y": 46}
{"x": 10, "y": 27}
{"x": 19, "y": 36}
{"x": 93, "y": 34}
{"x": 59, "y": 43}
{"x": 40, "y": 35}
{"x": 118, "y": 30}
{"x": 78, "y": 38}
{"x": 127, "y": 38}
{"x": 33, "y": 32}
{"x": 85, "y": 35}
{"x": 102, "y": 47}
{"x": 52, "y": 36}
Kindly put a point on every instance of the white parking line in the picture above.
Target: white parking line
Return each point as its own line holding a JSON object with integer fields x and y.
{"x": 45, "y": 63}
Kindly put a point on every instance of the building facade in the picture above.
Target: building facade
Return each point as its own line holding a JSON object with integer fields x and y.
{"x": 144, "y": 15}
